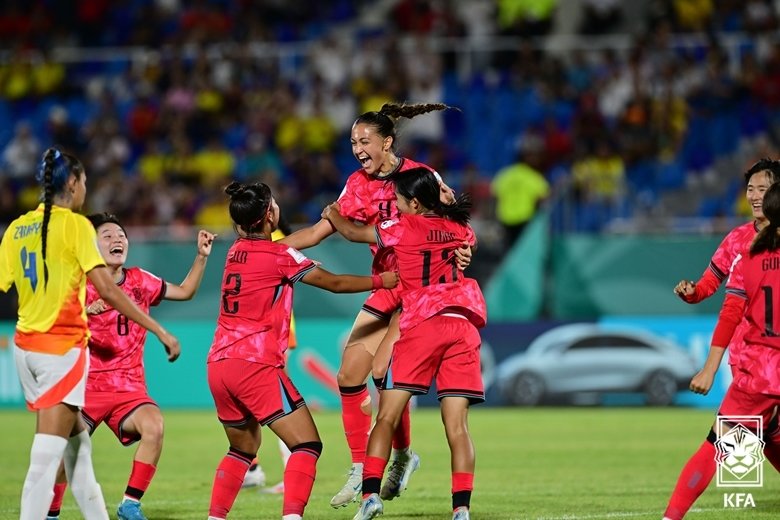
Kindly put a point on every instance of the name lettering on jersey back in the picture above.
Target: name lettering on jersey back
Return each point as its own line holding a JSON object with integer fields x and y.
{"x": 237, "y": 257}
{"x": 23, "y": 231}
{"x": 770, "y": 264}
{"x": 436, "y": 235}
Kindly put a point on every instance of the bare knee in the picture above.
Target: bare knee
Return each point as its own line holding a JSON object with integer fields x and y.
{"x": 153, "y": 430}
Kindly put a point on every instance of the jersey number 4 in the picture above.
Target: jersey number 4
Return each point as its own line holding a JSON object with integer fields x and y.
{"x": 30, "y": 266}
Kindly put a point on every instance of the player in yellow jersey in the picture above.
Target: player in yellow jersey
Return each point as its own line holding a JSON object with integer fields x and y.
{"x": 255, "y": 476}
{"x": 48, "y": 254}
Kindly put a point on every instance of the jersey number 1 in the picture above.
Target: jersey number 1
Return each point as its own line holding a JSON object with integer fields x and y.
{"x": 769, "y": 314}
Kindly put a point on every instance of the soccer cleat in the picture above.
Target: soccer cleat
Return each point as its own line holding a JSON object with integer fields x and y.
{"x": 461, "y": 513}
{"x": 371, "y": 507}
{"x": 398, "y": 475}
{"x": 53, "y": 517}
{"x": 254, "y": 477}
{"x": 276, "y": 489}
{"x": 130, "y": 510}
{"x": 351, "y": 489}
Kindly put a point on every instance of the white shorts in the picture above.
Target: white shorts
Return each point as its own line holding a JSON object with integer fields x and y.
{"x": 49, "y": 379}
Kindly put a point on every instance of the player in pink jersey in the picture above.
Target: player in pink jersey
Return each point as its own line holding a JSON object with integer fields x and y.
{"x": 246, "y": 361}
{"x": 758, "y": 178}
{"x": 116, "y": 391}
{"x": 441, "y": 312}
{"x": 368, "y": 199}
{"x": 750, "y": 296}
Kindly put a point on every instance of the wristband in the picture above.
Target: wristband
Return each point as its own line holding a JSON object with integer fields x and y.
{"x": 376, "y": 282}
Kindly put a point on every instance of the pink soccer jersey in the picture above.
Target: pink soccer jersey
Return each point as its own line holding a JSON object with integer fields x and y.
{"x": 429, "y": 278}
{"x": 723, "y": 260}
{"x": 257, "y": 299}
{"x": 370, "y": 200}
{"x": 116, "y": 344}
{"x": 757, "y": 279}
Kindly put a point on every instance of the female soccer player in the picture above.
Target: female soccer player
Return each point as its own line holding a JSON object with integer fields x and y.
{"x": 751, "y": 295}
{"x": 758, "y": 178}
{"x": 246, "y": 361}
{"x": 367, "y": 198}
{"x": 48, "y": 254}
{"x": 439, "y": 340}
{"x": 116, "y": 387}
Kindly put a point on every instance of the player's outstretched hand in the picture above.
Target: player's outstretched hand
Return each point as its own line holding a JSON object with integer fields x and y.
{"x": 97, "y": 306}
{"x": 463, "y": 256}
{"x": 685, "y": 289}
{"x": 702, "y": 382}
{"x": 389, "y": 279}
{"x": 171, "y": 344}
{"x": 205, "y": 239}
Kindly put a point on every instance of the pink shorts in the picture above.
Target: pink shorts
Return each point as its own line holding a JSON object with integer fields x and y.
{"x": 444, "y": 348}
{"x": 243, "y": 390}
{"x": 741, "y": 401}
{"x": 113, "y": 408}
{"x": 382, "y": 303}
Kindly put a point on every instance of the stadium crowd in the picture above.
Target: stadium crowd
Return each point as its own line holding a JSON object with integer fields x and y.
{"x": 203, "y": 92}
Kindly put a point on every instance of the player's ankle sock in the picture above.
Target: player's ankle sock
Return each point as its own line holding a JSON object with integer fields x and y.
{"x": 56, "y": 502}
{"x": 693, "y": 480}
{"x": 299, "y": 477}
{"x": 356, "y": 422}
{"x": 253, "y": 465}
{"x": 227, "y": 481}
{"x": 373, "y": 469}
{"x": 462, "y": 486}
{"x": 140, "y": 478}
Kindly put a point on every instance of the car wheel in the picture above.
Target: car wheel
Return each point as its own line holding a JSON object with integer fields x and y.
{"x": 660, "y": 388}
{"x": 527, "y": 389}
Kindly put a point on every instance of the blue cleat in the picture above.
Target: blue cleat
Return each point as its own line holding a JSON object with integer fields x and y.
{"x": 371, "y": 507}
{"x": 130, "y": 510}
{"x": 461, "y": 513}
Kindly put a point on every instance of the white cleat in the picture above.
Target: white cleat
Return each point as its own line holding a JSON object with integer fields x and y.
{"x": 461, "y": 513}
{"x": 371, "y": 507}
{"x": 351, "y": 489}
{"x": 398, "y": 475}
{"x": 254, "y": 478}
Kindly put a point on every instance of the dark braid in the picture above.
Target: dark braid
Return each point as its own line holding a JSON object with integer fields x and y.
{"x": 48, "y": 197}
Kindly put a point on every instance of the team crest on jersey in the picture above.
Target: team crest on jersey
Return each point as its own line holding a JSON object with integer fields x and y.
{"x": 297, "y": 255}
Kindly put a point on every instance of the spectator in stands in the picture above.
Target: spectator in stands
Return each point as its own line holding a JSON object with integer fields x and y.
{"x": 20, "y": 156}
{"x": 520, "y": 189}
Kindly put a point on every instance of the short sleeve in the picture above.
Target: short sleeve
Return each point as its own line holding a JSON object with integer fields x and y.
{"x": 153, "y": 287}
{"x": 736, "y": 282}
{"x": 6, "y": 261}
{"x": 84, "y": 243}
{"x": 389, "y": 232}
{"x": 293, "y": 264}
{"x": 471, "y": 237}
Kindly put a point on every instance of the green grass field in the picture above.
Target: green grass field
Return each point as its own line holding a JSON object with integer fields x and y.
{"x": 550, "y": 464}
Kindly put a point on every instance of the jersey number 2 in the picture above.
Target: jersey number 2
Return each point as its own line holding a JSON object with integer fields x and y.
{"x": 231, "y": 307}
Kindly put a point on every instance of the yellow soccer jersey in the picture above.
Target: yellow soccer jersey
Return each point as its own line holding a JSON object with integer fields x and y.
{"x": 292, "y": 341}
{"x": 52, "y": 319}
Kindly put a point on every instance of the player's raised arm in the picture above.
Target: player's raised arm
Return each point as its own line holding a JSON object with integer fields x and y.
{"x": 309, "y": 236}
{"x": 189, "y": 286}
{"x": 349, "y": 230}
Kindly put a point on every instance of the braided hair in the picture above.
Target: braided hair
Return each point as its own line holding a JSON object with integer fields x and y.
{"x": 249, "y": 204}
{"x": 384, "y": 120}
{"x": 53, "y": 174}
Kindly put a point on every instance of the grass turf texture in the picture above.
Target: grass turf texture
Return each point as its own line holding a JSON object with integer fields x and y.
{"x": 551, "y": 464}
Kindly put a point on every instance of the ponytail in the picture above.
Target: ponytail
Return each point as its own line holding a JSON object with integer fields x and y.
{"x": 458, "y": 211}
{"x": 424, "y": 184}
